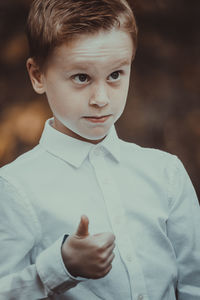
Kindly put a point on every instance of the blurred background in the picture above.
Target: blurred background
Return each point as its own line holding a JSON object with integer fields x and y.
{"x": 163, "y": 109}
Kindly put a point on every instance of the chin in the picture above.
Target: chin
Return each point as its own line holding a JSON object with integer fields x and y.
{"x": 98, "y": 136}
{"x": 94, "y": 138}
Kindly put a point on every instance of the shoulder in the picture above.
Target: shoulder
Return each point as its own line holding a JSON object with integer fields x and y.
{"x": 150, "y": 156}
{"x": 152, "y": 164}
{"x": 157, "y": 167}
{"x": 24, "y": 164}
{"x": 14, "y": 179}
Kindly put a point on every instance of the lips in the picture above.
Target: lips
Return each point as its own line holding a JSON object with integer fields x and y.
{"x": 97, "y": 119}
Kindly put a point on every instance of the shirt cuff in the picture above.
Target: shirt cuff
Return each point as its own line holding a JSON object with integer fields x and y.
{"x": 52, "y": 271}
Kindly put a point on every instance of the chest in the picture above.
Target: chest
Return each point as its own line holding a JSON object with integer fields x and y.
{"x": 108, "y": 195}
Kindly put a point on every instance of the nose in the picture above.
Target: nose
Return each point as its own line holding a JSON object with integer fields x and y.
{"x": 99, "y": 95}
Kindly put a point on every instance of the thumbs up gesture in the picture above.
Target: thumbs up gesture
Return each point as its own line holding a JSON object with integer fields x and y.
{"x": 86, "y": 255}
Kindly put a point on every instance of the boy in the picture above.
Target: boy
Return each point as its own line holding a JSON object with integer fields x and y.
{"x": 143, "y": 241}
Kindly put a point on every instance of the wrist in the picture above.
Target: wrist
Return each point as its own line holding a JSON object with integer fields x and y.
{"x": 68, "y": 257}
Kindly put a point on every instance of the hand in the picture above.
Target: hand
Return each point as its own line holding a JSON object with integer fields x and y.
{"x": 86, "y": 255}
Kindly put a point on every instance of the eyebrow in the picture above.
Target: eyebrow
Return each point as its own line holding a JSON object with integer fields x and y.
{"x": 122, "y": 63}
{"x": 86, "y": 64}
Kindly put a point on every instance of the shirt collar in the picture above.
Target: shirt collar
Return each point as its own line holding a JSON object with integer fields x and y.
{"x": 75, "y": 151}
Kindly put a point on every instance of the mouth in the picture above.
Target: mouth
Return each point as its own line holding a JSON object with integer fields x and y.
{"x": 97, "y": 119}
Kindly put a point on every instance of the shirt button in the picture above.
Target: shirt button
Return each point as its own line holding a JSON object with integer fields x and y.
{"x": 140, "y": 297}
{"x": 106, "y": 181}
{"x": 129, "y": 259}
{"x": 98, "y": 151}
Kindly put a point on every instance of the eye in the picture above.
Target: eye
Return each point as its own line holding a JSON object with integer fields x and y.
{"x": 81, "y": 78}
{"x": 114, "y": 76}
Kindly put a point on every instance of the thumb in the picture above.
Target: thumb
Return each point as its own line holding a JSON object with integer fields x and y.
{"x": 83, "y": 227}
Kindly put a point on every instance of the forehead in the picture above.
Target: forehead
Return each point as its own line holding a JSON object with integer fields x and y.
{"x": 103, "y": 47}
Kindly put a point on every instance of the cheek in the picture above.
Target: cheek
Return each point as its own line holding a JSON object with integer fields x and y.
{"x": 120, "y": 95}
{"x": 63, "y": 101}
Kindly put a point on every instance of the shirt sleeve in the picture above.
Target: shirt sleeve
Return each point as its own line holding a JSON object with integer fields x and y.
{"x": 183, "y": 231}
{"x": 20, "y": 277}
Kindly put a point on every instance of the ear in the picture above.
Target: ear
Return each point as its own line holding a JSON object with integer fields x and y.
{"x": 36, "y": 76}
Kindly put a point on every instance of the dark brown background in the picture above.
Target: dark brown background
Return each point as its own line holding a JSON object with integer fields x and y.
{"x": 163, "y": 109}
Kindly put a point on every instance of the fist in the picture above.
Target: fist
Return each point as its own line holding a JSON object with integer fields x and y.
{"x": 86, "y": 255}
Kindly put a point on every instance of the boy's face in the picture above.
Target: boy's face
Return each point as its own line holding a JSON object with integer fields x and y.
{"x": 86, "y": 83}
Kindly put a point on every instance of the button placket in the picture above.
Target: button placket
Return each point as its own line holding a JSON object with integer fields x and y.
{"x": 129, "y": 257}
{"x": 117, "y": 220}
{"x": 115, "y": 209}
{"x": 98, "y": 151}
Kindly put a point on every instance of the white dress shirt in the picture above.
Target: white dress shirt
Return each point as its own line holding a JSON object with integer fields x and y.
{"x": 144, "y": 196}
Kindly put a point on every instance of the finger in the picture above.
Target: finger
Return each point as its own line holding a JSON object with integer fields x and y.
{"x": 105, "y": 240}
{"x": 110, "y": 249}
{"x": 107, "y": 270}
{"x": 82, "y": 229}
{"x": 110, "y": 259}
{"x": 109, "y": 237}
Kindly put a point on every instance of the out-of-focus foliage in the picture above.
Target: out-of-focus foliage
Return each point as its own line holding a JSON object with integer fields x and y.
{"x": 163, "y": 108}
